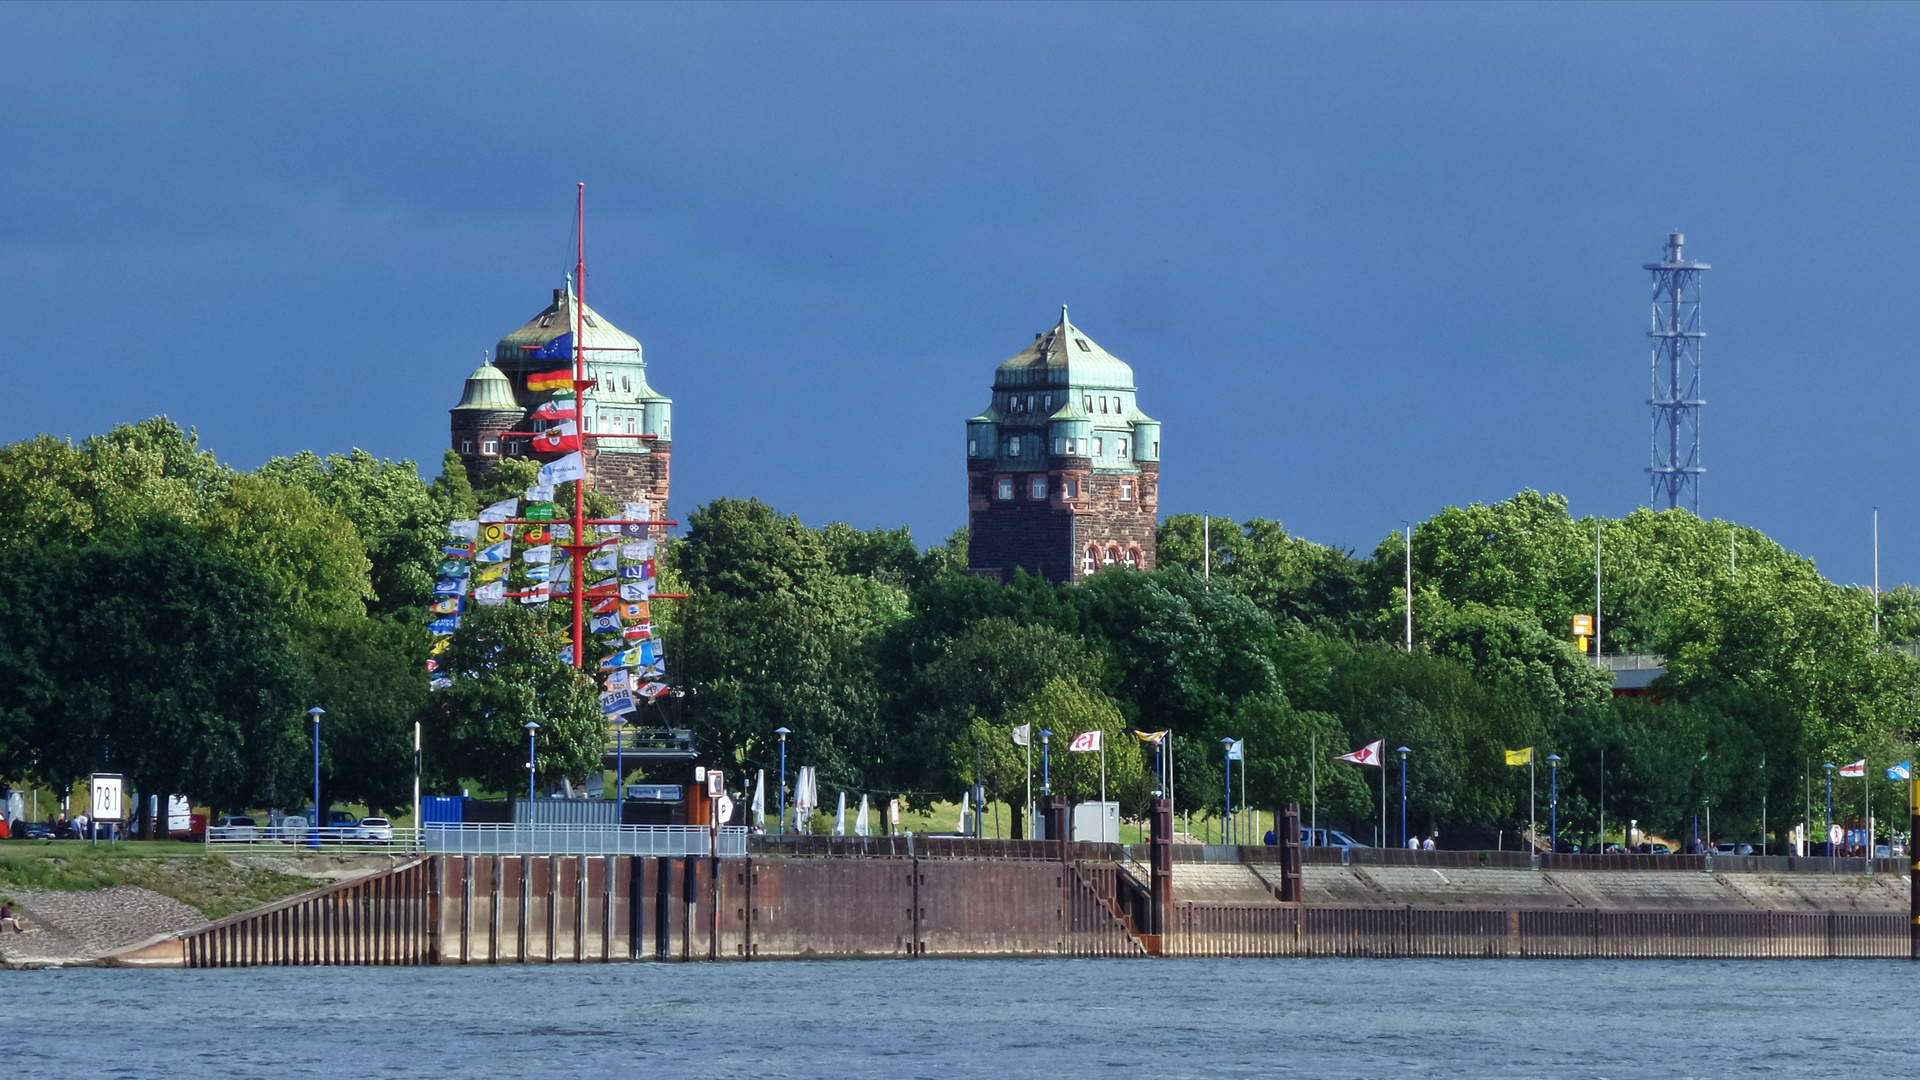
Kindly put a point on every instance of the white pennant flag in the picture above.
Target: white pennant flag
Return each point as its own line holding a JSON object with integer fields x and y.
{"x": 1086, "y": 742}
{"x": 501, "y": 510}
{"x": 760, "y": 799}
{"x": 561, "y": 470}
{"x": 860, "y": 823}
{"x": 1023, "y": 735}
{"x": 840, "y": 817}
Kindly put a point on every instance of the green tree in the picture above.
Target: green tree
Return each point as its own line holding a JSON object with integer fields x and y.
{"x": 1068, "y": 709}
{"x": 370, "y": 676}
{"x": 312, "y": 554}
{"x": 154, "y": 654}
{"x": 399, "y": 518}
{"x": 1289, "y": 578}
{"x": 506, "y": 671}
{"x": 54, "y": 492}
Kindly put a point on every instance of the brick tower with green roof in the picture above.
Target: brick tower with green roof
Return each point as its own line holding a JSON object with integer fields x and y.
{"x": 497, "y": 398}
{"x": 1063, "y": 469}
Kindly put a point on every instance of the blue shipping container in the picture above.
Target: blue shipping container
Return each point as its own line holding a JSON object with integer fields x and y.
{"x": 442, "y": 809}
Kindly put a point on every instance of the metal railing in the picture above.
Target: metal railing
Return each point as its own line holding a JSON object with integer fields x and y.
{"x": 342, "y": 838}
{"x": 578, "y": 839}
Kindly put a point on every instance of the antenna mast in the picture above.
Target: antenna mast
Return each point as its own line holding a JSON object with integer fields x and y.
{"x": 1676, "y": 335}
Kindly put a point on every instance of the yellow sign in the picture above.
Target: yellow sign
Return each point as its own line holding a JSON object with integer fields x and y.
{"x": 1520, "y": 757}
{"x": 1583, "y": 625}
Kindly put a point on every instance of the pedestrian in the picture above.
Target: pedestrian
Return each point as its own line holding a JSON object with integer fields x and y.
{"x": 80, "y": 826}
{"x": 1413, "y": 843}
{"x": 1427, "y": 844}
{"x": 1273, "y": 839}
{"x": 8, "y": 918}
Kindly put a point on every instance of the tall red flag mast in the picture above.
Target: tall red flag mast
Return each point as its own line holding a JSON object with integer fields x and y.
{"x": 579, "y": 547}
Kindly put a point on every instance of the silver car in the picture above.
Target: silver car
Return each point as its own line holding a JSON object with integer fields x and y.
{"x": 374, "y": 830}
{"x": 234, "y": 828}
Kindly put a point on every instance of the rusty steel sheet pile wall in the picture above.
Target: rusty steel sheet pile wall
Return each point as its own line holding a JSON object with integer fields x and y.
{"x": 385, "y": 919}
{"x": 1201, "y": 929}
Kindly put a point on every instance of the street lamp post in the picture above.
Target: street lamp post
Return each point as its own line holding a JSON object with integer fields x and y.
{"x": 532, "y": 737}
{"x": 1403, "y": 752}
{"x": 1553, "y": 803}
{"x": 314, "y": 826}
{"x": 781, "y": 794}
{"x": 1226, "y": 823}
{"x": 979, "y": 796}
{"x": 1829, "y": 839}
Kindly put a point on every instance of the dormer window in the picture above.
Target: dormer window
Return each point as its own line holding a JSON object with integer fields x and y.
{"x": 1082, "y": 342}
{"x": 624, "y": 384}
{"x": 1103, "y": 404}
{"x": 1089, "y": 402}
{"x": 1099, "y": 445}
{"x": 1013, "y": 446}
{"x": 1116, "y": 405}
{"x": 1121, "y": 448}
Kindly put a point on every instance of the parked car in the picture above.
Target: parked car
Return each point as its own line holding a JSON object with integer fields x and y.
{"x": 342, "y": 820}
{"x": 374, "y": 830}
{"x": 234, "y": 828}
{"x": 1659, "y": 849}
{"x": 1614, "y": 849}
{"x": 1327, "y": 838}
{"x": 33, "y": 830}
{"x": 293, "y": 827}
{"x": 1568, "y": 847}
{"x": 1729, "y": 847}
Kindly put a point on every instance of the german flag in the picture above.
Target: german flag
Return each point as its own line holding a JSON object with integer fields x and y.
{"x": 551, "y": 380}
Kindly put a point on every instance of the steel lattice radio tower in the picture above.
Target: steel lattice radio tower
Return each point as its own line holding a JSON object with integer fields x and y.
{"x": 1676, "y": 399}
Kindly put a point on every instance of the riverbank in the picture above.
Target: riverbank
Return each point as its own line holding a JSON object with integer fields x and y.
{"x": 79, "y": 903}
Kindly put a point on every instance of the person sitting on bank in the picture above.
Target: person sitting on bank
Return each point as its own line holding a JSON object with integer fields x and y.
{"x": 8, "y": 918}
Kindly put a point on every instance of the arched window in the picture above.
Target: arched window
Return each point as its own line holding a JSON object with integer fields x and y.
{"x": 1133, "y": 558}
{"x": 1113, "y": 555}
{"x": 1091, "y": 561}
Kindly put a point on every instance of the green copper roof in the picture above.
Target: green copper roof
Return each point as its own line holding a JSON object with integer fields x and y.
{"x": 604, "y": 342}
{"x": 488, "y": 391}
{"x": 1065, "y": 356}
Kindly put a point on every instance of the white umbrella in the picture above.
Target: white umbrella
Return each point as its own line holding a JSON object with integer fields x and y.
{"x": 760, "y": 800}
{"x": 860, "y": 823}
{"x": 840, "y": 817}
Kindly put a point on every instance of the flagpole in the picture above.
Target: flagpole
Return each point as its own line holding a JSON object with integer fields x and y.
{"x": 1026, "y": 824}
{"x": 1382, "y": 763}
{"x": 1533, "y": 830}
{"x": 1313, "y": 772}
{"x": 579, "y": 545}
{"x": 1103, "y": 788}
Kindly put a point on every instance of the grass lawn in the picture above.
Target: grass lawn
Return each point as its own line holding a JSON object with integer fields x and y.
{"x": 181, "y": 870}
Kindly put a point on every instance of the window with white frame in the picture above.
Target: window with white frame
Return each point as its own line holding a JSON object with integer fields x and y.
{"x": 1013, "y": 446}
{"x": 1121, "y": 448}
{"x": 490, "y": 446}
{"x": 1112, "y": 556}
{"x": 1070, "y": 488}
{"x": 1133, "y": 558}
{"x": 1126, "y": 489}
{"x": 1005, "y": 488}
{"x": 466, "y": 446}
{"x": 1090, "y": 561}
{"x": 1099, "y": 445}
{"x": 1037, "y": 488}
{"x": 973, "y": 447}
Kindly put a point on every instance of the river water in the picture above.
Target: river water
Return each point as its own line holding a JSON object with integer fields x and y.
{"x": 1056, "y": 1019}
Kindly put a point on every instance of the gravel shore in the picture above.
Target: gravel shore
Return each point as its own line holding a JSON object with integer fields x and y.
{"x": 68, "y": 928}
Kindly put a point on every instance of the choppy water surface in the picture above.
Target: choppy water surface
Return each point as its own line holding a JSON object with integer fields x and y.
{"x": 1058, "y": 1019}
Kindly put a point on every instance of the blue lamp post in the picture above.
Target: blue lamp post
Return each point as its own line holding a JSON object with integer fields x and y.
{"x": 532, "y": 736}
{"x": 314, "y": 826}
{"x": 1403, "y": 752}
{"x": 1553, "y": 802}
{"x": 1226, "y": 823}
{"x": 781, "y": 795}
{"x": 1046, "y": 763}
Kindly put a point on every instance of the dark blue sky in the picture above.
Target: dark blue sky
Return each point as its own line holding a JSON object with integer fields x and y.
{"x": 1366, "y": 260}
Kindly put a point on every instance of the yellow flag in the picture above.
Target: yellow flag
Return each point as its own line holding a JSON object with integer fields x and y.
{"x": 1520, "y": 757}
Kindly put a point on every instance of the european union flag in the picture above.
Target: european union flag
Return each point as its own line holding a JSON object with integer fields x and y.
{"x": 560, "y": 348}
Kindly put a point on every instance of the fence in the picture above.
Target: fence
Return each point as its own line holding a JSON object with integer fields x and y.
{"x": 344, "y": 838}
{"x": 383, "y": 919}
{"x": 934, "y": 846}
{"x": 572, "y": 839}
